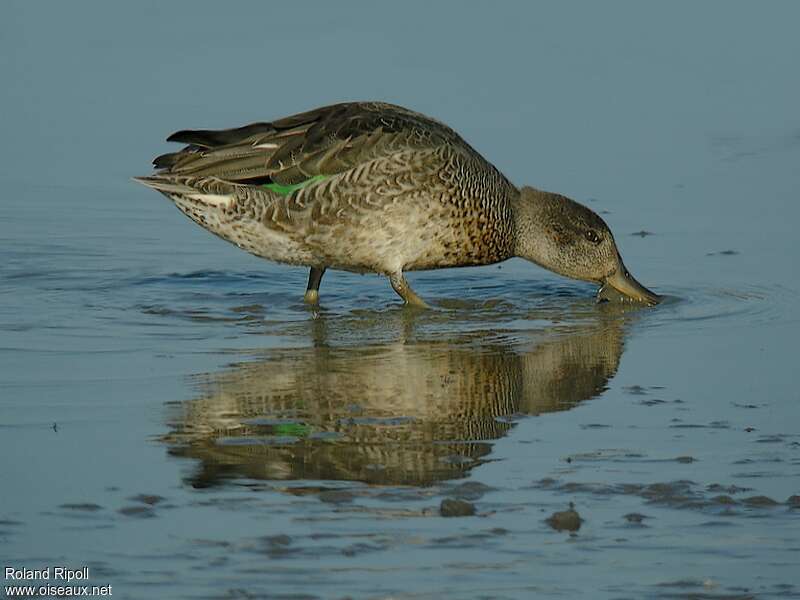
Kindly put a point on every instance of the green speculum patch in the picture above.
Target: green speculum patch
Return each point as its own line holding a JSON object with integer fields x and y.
{"x": 285, "y": 190}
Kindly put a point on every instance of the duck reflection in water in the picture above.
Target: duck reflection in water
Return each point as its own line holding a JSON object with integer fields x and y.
{"x": 407, "y": 412}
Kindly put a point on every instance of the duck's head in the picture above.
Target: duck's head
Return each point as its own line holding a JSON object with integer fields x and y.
{"x": 566, "y": 237}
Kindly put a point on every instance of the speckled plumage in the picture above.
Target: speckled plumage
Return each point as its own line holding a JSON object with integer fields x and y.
{"x": 389, "y": 190}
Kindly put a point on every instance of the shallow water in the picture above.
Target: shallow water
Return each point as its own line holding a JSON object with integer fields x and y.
{"x": 174, "y": 417}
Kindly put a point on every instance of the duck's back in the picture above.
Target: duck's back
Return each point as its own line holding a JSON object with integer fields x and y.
{"x": 359, "y": 186}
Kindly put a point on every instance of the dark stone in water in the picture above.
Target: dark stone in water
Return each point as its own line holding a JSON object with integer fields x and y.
{"x": 84, "y": 506}
{"x": 565, "y": 520}
{"x": 456, "y": 508}
{"x": 143, "y": 512}
{"x": 652, "y": 402}
{"x": 666, "y": 490}
{"x": 727, "y": 489}
{"x": 336, "y": 496}
{"x": 277, "y": 540}
{"x": 150, "y": 499}
{"x": 635, "y": 517}
{"x": 356, "y": 549}
{"x": 636, "y": 390}
{"x": 771, "y": 439}
{"x": 277, "y": 546}
{"x": 682, "y": 583}
{"x": 760, "y": 501}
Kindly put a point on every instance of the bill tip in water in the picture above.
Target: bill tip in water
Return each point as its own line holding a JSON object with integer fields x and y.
{"x": 621, "y": 286}
{"x": 608, "y": 293}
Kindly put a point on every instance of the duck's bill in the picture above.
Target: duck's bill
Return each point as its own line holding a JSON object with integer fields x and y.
{"x": 622, "y": 281}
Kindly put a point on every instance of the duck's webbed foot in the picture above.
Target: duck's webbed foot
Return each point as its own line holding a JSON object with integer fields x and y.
{"x": 403, "y": 289}
{"x": 312, "y": 290}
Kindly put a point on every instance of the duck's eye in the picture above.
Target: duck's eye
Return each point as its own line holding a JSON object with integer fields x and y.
{"x": 592, "y": 236}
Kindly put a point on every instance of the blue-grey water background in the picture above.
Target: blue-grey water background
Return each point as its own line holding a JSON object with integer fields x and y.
{"x": 174, "y": 417}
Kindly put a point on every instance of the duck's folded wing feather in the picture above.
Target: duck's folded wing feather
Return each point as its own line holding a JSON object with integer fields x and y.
{"x": 325, "y": 141}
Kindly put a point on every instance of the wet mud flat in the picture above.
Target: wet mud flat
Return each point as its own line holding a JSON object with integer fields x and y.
{"x": 251, "y": 537}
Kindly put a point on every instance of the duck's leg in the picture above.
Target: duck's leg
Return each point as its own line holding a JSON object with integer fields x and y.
{"x": 312, "y": 290}
{"x": 404, "y": 290}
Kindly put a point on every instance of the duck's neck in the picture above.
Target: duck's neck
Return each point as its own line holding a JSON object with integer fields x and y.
{"x": 545, "y": 231}
{"x": 532, "y": 209}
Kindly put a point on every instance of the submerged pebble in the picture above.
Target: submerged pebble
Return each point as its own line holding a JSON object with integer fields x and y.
{"x": 635, "y": 517}
{"x": 277, "y": 546}
{"x": 727, "y": 489}
{"x": 277, "y": 540}
{"x": 336, "y": 496}
{"x": 635, "y": 390}
{"x": 83, "y": 506}
{"x": 143, "y": 512}
{"x": 456, "y": 508}
{"x": 150, "y": 499}
{"x": 565, "y": 520}
{"x": 760, "y": 501}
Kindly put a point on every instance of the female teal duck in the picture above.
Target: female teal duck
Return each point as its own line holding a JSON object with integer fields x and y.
{"x": 369, "y": 186}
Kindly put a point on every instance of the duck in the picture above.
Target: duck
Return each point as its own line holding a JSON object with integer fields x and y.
{"x": 375, "y": 187}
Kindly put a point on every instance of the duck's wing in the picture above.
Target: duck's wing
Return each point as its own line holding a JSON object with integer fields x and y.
{"x": 307, "y": 146}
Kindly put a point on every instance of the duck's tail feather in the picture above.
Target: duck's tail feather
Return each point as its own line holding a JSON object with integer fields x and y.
{"x": 207, "y": 191}
{"x": 171, "y": 159}
{"x": 209, "y": 138}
